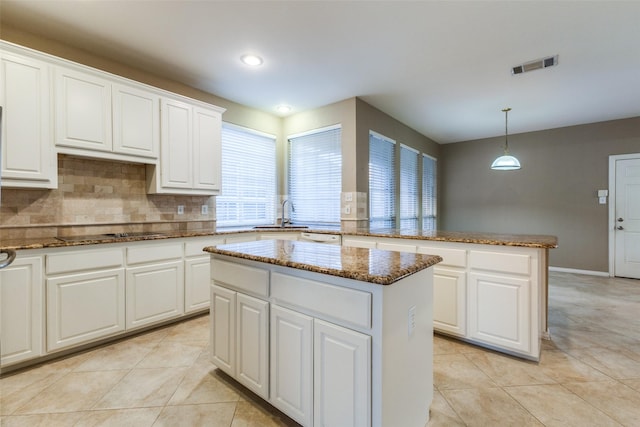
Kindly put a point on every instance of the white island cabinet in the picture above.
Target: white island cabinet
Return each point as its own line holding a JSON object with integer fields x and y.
{"x": 330, "y": 335}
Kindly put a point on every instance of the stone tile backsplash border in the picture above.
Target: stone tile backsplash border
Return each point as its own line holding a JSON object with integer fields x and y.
{"x": 100, "y": 195}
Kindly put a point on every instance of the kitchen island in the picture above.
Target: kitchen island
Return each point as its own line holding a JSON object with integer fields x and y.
{"x": 330, "y": 335}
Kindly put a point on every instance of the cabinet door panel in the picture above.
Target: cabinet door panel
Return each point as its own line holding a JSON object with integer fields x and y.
{"x": 223, "y": 326}
{"x": 449, "y": 301}
{"x": 136, "y": 122}
{"x": 206, "y": 148}
{"x": 291, "y": 363}
{"x": 341, "y": 376}
{"x": 84, "y": 307}
{"x": 154, "y": 293}
{"x": 21, "y": 310}
{"x": 197, "y": 281}
{"x": 176, "y": 144}
{"x": 252, "y": 340}
{"x": 499, "y": 311}
{"x": 83, "y": 111}
{"x": 27, "y": 150}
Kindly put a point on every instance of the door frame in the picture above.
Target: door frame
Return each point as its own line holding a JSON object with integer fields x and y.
{"x": 612, "y": 206}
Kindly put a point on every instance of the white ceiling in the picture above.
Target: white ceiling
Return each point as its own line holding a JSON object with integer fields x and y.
{"x": 441, "y": 67}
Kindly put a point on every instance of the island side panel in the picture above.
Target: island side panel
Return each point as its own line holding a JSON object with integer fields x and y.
{"x": 407, "y": 350}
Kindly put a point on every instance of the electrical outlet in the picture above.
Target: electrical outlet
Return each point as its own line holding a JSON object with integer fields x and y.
{"x": 412, "y": 319}
{"x": 348, "y": 197}
{"x": 180, "y": 209}
{"x": 204, "y": 210}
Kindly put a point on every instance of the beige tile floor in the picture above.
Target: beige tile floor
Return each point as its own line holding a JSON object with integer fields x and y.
{"x": 589, "y": 375}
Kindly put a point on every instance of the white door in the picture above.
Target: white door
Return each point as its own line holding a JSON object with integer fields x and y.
{"x": 207, "y": 132}
{"x": 154, "y": 293}
{"x": 449, "y": 301}
{"x": 252, "y": 344}
{"x": 627, "y": 218}
{"x": 84, "y": 307}
{"x": 136, "y": 122}
{"x": 499, "y": 310}
{"x": 291, "y": 364}
{"x": 223, "y": 329}
{"x": 341, "y": 376}
{"x": 83, "y": 111}
{"x": 176, "y": 141}
{"x": 27, "y": 149}
{"x": 197, "y": 279}
{"x": 21, "y": 310}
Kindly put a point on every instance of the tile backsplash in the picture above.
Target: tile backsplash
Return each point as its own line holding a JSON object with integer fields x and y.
{"x": 100, "y": 193}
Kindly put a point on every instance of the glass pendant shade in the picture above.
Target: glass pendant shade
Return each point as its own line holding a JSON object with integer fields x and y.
{"x": 506, "y": 162}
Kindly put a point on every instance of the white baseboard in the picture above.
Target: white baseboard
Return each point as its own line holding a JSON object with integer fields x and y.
{"x": 577, "y": 271}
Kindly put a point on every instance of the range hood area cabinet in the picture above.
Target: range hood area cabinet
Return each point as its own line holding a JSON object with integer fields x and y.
{"x": 51, "y": 105}
{"x": 108, "y": 118}
{"x": 190, "y": 150}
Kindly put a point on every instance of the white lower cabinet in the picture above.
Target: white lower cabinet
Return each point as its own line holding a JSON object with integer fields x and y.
{"x": 240, "y": 341}
{"x": 252, "y": 344}
{"x": 499, "y": 311}
{"x": 341, "y": 376}
{"x": 154, "y": 293}
{"x": 21, "y": 309}
{"x": 84, "y": 307}
{"x": 197, "y": 278}
{"x": 292, "y": 364}
{"x": 449, "y": 290}
{"x": 155, "y": 283}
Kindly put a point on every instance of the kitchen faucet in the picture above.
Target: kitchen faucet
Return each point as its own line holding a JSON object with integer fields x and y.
{"x": 284, "y": 202}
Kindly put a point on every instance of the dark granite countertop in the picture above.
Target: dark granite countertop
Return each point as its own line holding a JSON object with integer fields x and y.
{"x": 523, "y": 240}
{"x": 366, "y": 265}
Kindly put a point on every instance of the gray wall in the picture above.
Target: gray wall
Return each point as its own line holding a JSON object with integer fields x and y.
{"x": 555, "y": 192}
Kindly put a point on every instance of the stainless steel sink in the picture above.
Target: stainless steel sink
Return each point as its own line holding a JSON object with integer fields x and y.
{"x": 278, "y": 227}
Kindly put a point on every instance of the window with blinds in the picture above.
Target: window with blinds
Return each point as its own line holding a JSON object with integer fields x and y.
{"x": 315, "y": 176}
{"x": 248, "y": 194}
{"x": 409, "y": 190}
{"x": 429, "y": 190}
{"x": 382, "y": 182}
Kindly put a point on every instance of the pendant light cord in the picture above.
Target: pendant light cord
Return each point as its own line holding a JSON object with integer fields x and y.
{"x": 506, "y": 130}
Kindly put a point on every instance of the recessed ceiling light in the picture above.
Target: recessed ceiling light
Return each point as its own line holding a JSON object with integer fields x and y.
{"x": 283, "y": 109}
{"x": 251, "y": 60}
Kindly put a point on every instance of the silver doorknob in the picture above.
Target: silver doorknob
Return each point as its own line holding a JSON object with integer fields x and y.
{"x": 620, "y": 219}
{"x": 619, "y": 227}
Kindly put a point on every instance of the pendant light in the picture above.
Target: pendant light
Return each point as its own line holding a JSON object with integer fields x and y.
{"x": 506, "y": 162}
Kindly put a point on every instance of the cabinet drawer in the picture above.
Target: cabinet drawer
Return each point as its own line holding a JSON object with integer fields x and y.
{"x": 396, "y": 246}
{"x": 497, "y": 261}
{"x": 150, "y": 253}
{"x": 87, "y": 260}
{"x": 450, "y": 257}
{"x": 251, "y": 280}
{"x": 344, "y": 304}
{"x": 195, "y": 248}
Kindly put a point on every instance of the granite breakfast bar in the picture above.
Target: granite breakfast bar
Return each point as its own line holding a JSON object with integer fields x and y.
{"x": 328, "y": 334}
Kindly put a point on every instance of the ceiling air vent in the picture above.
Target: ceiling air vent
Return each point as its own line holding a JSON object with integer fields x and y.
{"x": 549, "y": 61}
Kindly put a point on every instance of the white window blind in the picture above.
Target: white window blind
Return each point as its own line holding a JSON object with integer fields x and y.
{"x": 382, "y": 182}
{"x": 429, "y": 190}
{"x": 315, "y": 176}
{"x": 409, "y": 187}
{"x": 248, "y": 194}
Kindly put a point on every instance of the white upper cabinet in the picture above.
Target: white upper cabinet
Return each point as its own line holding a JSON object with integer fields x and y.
{"x": 83, "y": 110}
{"x": 207, "y": 130}
{"x": 190, "y": 147}
{"x": 136, "y": 121}
{"x": 28, "y": 156}
{"x": 99, "y": 117}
